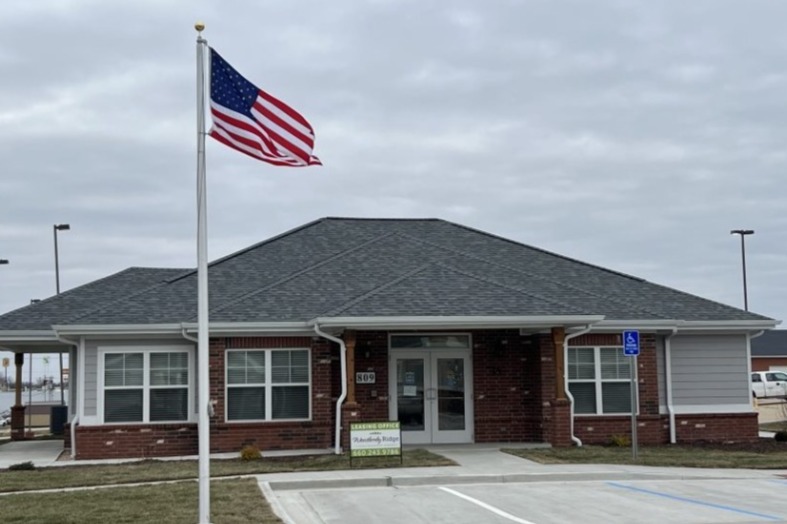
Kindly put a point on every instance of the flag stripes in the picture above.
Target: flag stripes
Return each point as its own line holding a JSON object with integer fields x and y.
{"x": 256, "y": 123}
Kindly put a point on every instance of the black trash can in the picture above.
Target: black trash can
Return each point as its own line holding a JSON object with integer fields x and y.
{"x": 57, "y": 419}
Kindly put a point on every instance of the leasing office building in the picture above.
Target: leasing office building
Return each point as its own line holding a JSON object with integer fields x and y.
{"x": 460, "y": 335}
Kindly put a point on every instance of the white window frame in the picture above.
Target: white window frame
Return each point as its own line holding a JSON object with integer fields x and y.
{"x": 598, "y": 381}
{"x": 268, "y": 385}
{"x": 146, "y": 387}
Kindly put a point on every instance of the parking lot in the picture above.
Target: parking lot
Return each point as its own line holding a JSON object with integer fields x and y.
{"x": 668, "y": 500}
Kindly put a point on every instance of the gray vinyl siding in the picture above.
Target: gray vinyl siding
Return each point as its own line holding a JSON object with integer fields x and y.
{"x": 91, "y": 383}
{"x": 91, "y": 364}
{"x": 661, "y": 376}
{"x": 73, "y": 380}
{"x": 709, "y": 369}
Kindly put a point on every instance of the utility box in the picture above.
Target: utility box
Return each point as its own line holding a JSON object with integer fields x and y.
{"x": 57, "y": 419}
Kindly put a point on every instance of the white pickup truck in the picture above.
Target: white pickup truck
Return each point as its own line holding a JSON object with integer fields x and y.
{"x": 768, "y": 384}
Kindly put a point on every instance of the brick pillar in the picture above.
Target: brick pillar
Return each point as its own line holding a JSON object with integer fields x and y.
{"x": 18, "y": 410}
{"x": 350, "y": 414}
{"x": 560, "y": 424}
{"x": 349, "y": 343}
{"x": 558, "y": 337}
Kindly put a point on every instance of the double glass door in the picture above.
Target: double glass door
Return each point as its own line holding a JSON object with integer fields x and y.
{"x": 431, "y": 396}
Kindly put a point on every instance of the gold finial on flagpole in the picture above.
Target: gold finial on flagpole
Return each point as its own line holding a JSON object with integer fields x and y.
{"x": 200, "y": 27}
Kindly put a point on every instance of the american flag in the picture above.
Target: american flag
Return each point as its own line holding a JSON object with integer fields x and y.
{"x": 250, "y": 120}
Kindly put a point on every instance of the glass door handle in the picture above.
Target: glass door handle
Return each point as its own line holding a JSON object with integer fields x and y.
{"x": 431, "y": 393}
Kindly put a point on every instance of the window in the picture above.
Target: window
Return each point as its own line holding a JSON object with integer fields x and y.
{"x": 755, "y": 377}
{"x": 145, "y": 386}
{"x": 270, "y": 384}
{"x": 599, "y": 379}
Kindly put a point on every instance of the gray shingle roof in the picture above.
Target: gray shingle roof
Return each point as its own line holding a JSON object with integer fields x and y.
{"x": 770, "y": 344}
{"x": 71, "y": 304}
{"x": 374, "y": 267}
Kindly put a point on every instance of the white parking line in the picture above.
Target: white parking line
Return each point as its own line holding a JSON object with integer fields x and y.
{"x": 486, "y": 506}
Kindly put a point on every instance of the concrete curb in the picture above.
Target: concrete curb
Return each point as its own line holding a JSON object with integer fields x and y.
{"x": 405, "y": 481}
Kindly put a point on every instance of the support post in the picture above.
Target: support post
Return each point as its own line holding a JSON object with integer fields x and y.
{"x": 349, "y": 342}
{"x": 18, "y": 410}
{"x": 558, "y": 338}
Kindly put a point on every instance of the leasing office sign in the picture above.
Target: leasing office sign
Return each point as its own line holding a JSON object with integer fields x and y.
{"x": 375, "y": 439}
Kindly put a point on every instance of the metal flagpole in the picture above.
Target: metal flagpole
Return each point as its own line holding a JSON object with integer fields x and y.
{"x": 202, "y": 285}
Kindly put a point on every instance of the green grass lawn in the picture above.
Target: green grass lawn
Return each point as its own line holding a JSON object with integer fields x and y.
{"x": 763, "y": 455}
{"x": 155, "y": 470}
{"x": 232, "y": 502}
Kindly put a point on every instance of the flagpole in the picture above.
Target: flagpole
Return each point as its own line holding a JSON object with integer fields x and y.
{"x": 202, "y": 287}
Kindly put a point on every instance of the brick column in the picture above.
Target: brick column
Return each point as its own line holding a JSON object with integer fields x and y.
{"x": 558, "y": 337}
{"x": 560, "y": 424}
{"x": 18, "y": 410}
{"x": 349, "y": 343}
{"x": 350, "y": 414}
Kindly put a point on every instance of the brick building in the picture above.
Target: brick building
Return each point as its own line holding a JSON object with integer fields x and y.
{"x": 459, "y": 335}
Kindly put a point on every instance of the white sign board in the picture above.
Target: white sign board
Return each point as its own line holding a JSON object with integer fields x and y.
{"x": 374, "y": 439}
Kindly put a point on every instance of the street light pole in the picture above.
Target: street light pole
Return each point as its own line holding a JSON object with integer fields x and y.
{"x": 55, "y": 229}
{"x": 743, "y": 233}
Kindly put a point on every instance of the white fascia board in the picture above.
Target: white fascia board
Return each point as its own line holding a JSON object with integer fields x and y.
{"x": 28, "y": 336}
{"x": 728, "y": 325}
{"x": 266, "y": 328}
{"x": 117, "y": 329}
{"x": 684, "y": 326}
{"x": 463, "y": 322}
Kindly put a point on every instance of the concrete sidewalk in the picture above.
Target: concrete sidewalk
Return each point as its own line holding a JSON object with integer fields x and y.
{"x": 477, "y": 464}
{"x": 40, "y": 452}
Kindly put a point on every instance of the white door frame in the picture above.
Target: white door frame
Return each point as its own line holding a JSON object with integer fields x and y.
{"x": 431, "y": 434}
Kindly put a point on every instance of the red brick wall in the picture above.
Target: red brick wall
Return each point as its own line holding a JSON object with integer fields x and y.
{"x": 513, "y": 398}
{"x": 507, "y": 375}
{"x": 136, "y": 441}
{"x": 371, "y": 354}
{"x": 765, "y": 363}
{"x": 155, "y": 440}
{"x": 314, "y": 434}
{"x": 721, "y": 427}
{"x": 653, "y": 428}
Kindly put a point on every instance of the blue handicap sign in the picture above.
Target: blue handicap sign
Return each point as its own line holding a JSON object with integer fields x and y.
{"x": 631, "y": 343}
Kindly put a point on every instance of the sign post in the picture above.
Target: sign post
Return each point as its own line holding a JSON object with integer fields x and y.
{"x": 631, "y": 349}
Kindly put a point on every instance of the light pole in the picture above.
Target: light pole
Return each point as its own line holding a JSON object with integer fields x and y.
{"x": 55, "y": 229}
{"x": 743, "y": 233}
{"x": 3, "y": 262}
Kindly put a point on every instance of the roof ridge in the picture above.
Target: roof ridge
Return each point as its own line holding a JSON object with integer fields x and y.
{"x": 328, "y": 260}
{"x": 121, "y": 299}
{"x": 535, "y": 275}
{"x": 564, "y": 257}
{"x": 426, "y": 266}
{"x": 253, "y": 246}
{"x": 376, "y": 290}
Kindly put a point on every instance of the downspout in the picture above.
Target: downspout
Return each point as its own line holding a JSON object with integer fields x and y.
{"x": 340, "y": 400}
{"x": 673, "y": 438}
{"x": 196, "y": 341}
{"x": 752, "y": 399}
{"x": 565, "y": 381}
{"x": 74, "y": 421}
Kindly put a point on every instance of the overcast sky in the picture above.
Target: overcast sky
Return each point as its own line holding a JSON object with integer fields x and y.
{"x": 632, "y": 135}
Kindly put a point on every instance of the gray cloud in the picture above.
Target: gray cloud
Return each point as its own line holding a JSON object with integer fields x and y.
{"x": 633, "y": 135}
